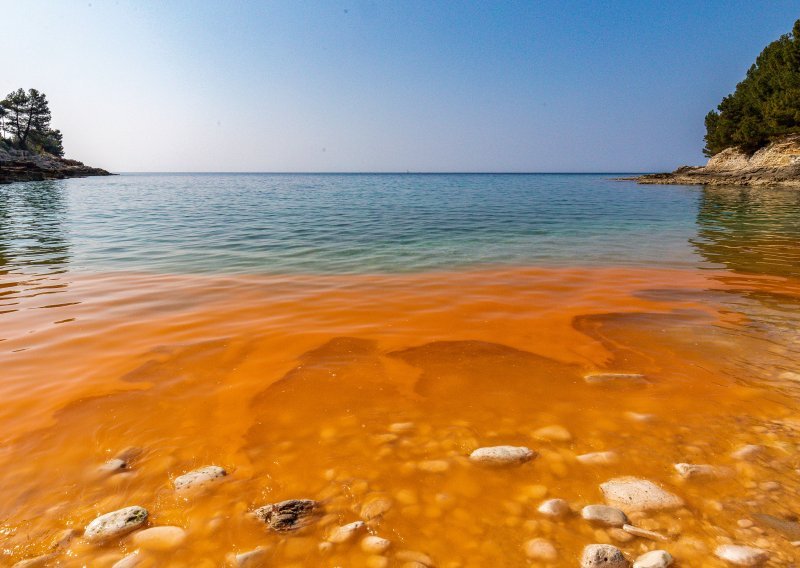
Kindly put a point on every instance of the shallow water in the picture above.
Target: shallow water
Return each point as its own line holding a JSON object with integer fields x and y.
{"x": 279, "y": 326}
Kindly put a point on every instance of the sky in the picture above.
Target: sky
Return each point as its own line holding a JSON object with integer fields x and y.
{"x": 361, "y": 85}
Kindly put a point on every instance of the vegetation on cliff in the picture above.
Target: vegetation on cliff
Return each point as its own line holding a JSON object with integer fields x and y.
{"x": 765, "y": 105}
{"x": 25, "y": 123}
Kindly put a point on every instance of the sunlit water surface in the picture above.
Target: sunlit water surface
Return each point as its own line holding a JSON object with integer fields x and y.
{"x": 282, "y": 326}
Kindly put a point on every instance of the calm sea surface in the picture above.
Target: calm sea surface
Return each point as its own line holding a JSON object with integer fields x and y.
{"x": 265, "y": 223}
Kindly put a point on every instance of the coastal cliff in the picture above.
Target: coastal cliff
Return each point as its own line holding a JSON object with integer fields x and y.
{"x": 16, "y": 165}
{"x": 778, "y": 163}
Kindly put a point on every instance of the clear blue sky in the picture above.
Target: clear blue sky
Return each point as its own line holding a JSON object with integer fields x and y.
{"x": 357, "y": 85}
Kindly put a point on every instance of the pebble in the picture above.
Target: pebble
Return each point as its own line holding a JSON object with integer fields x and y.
{"x": 635, "y": 494}
{"x": 554, "y": 433}
{"x": 249, "y": 559}
{"x": 401, "y": 427}
{"x": 654, "y": 559}
{"x": 113, "y": 466}
{"x": 615, "y": 378}
{"x": 412, "y": 556}
{"x": 199, "y": 478}
{"x": 374, "y": 544}
{"x": 640, "y": 417}
{"x": 115, "y": 524}
{"x": 433, "y": 466}
{"x": 129, "y": 561}
{"x": 555, "y": 508}
{"x": 502, "y": 455}
{"x": 375, "y": 507}
{"x": 37, "y": 562}
{"x": 345, "y": 532}
{"x": 644, "y": 533}
{"x": 159, "y": 538}
{"x": 603, "y": 556}
{"x": 741, "y": 555}
{"x": 541, "y": 549}
{"x": 288, "y": 515}
{"x": 701, "y": 471}
{"x": 747, "y": 452}
{"x": 604, "y": 515}
{"x": 598, "y": 458}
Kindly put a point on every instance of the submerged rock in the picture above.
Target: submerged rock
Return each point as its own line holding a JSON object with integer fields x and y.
{"x": 288, "y": 515}
{"x": 789, "y": 529}
{"x": 598, "y": 458}
{"x": 250, "y": 559}
{"x": 616, "y": 379}
{"x": 603, "y": 556}
{"x": 554, "y": 433}
{"x": 604, "y": 515}
{"x": 748, "y": 452}
{"x": 345, "y": 532}
{"x": 375, "y": 544}
{"x": 37, "y": 562}
{"x": 644, "y": 533}
{"x": 198, "y": 479}
{"x": 115, "y": 524}
{"x": 741, "y": 555}
{"x": 654, "y": 559}
{"x": 130, "y": 561}
{"x": 541, "y": 549}
{"x": 502, "y": 455}
{"x": 634, "y": 494}
{"x": 554, "y": 508}
{"x": 159, "y": 538}
{"x": 701, "y": 471}
{"x": 375, "y": 506}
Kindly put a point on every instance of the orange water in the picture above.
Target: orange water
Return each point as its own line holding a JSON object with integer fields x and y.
{"x": 292, "y": 383}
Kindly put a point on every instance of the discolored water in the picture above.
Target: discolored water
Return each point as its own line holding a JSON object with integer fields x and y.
{"x": 352, "y": 338}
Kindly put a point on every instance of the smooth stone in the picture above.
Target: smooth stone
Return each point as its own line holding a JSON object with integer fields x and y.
{"x": 36, "y": 562}
{"x": 748, "y": 452}
{"x": 159, "y": 538}
{"x": 555, "y": 508}
{"x": 376, "y": 506}
{"x": 112, "y": 466}
{"x": 401, "y": 427}
{"x": 741, "y": 555}
{"x": 541, "y": 549}
{"x": 130, "y": 561}
{"x": 375, "y": 544}
{"x": 615, "y": 379}
{"x": 789, "y": 529}
{"x": 635, "y": 494}
{"x": 603, "y": 556}
{"x": 412, "y": 556}
{"x": 644, "y": 533}
{"x": 288, "y": 515}
{"x": 554, "y": 433}
{"x": 345, "y": 532}
{"x": 654, "y": 559}
{"x": 250, "y": 559}
{"x": 598, "y": 458}
{"x": 639, "y": 417}
{"x": 433, "y": 466}
{"x": 604, "y": 515}
{"x": 502, "y": 455}
{"x": 700, "y": 471}
{"x": 198, "y": 478}
{"x": 115, "y": 524}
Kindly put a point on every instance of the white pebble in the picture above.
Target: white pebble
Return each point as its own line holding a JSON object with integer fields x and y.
{"x": 198, "y": 478}
{"x": 502, "y": 455}
{"x": 598, "y": 458}
{"x": 603, "y": 556}
{"x": 634, "y": 494}
{"x": 115, "y": 524}
{"x": 555, "y": 508}
{"x": 604, "y": 515}
{"x": 654, "y": 559}
{"x": 375, "y": 544}
{"x": 541, "y": 549}
{"x": 741, "y": 555}
{"x": 345, "y": 532}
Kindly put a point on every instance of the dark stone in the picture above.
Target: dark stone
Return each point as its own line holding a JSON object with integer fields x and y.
{"x": 288, "y": 515}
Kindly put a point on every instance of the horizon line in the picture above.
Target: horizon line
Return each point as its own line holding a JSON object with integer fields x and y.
{"x": 387, "y": 172}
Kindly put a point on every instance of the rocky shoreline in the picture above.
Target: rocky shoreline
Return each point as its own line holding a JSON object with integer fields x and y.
{"x": 777, "y": 164}
{"x": 16, "y": 165}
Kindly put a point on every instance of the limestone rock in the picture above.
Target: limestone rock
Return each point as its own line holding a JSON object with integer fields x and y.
{"x": 198, "y": 479}
{"x": 554, "y": 508}
{"x": 288, "y": 515}
{"x": 502, "y": 455}
{"x": 741, "y": 555}
{"x": 603, "y": 556}
{"x": 115, "y": 524}
{"x": 541, "y": 549}
{"x": 634, "y": 494}
{"x": 604, "y": 515}
{"x": 345, "y": 532}
{"x": 654, "y": 559}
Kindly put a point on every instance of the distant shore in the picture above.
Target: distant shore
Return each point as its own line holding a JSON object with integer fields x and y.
{"x": 16, "y": 166}
{"x": 777, "y": 164}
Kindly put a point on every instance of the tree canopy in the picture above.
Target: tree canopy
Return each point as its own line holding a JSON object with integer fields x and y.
{"x": 765, "y": 105}
{"x": 25, "y": 118}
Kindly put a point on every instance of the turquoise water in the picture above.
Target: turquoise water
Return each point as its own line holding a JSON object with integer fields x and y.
{"x": 363, "y": 223}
